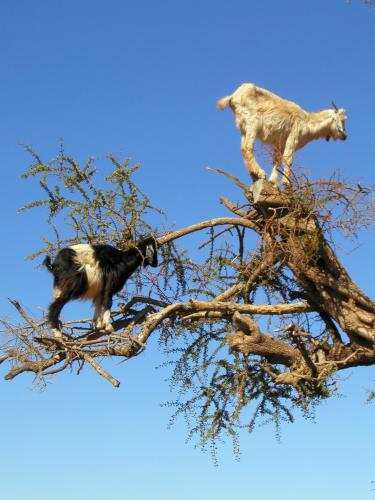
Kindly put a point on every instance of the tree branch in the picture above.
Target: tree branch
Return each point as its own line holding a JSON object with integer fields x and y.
{"x": 220, "y": 221}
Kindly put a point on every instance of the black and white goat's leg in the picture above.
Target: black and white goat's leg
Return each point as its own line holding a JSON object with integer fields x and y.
{"x": 54, "y": 311}
{"x": 106, "y": 310}
{"x": 98, "y": 314}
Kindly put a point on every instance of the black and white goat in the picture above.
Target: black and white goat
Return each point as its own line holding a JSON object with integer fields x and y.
{"x": 95, "y": 272}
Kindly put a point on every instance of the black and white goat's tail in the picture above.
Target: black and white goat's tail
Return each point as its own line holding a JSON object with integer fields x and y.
{"x": 48, "y": 263}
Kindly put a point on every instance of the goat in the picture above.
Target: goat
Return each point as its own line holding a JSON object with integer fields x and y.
{"x": 95, "y": 272}
{"x": 282, "y": 124}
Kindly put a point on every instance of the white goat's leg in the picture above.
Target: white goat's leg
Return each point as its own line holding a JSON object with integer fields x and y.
{"x": 276, "y": 167}
{"x": 247, "y": 145}
{"x": 287, "y": 161}
{"x": 290, "y": 147}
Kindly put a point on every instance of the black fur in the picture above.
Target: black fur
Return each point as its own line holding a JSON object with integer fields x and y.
{"x": 117, "y": 266}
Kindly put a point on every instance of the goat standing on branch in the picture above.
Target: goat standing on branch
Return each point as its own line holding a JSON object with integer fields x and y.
{"x": 284, "y": 125}
{"x": 95, "y": 272}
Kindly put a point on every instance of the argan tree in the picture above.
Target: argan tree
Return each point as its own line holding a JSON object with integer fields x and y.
{"x": 256, "y": 325}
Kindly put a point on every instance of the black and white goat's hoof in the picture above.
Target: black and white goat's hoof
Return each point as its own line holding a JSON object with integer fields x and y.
{"x": 56, "y": 333}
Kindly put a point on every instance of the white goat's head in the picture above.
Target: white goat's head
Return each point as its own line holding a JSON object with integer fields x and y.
{"x": 338, "y": 130}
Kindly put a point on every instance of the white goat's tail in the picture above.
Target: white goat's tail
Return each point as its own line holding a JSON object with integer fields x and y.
{"x": 222, "y": 103}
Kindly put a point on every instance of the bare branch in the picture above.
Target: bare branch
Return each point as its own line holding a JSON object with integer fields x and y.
{"x": 238, "y": 183}
{"x": 220, "y": 221}
{"x": 101, "y": 370}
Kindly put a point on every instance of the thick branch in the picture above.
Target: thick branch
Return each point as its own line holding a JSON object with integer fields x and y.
{"x": 249, "y": 340}
{"x": 263, "y": 309}
{"x": 35, "y": 366}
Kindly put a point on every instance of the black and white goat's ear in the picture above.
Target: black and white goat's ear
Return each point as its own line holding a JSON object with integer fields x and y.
{"x": 151, "y": 257}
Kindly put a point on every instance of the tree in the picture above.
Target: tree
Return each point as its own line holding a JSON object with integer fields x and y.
{"x": 256, "y": 329}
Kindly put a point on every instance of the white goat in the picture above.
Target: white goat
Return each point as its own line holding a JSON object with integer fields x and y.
{"x": 284, "y": 125}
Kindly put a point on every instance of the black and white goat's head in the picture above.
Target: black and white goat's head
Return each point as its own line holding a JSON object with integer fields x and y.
{"x": 147, "y": 247}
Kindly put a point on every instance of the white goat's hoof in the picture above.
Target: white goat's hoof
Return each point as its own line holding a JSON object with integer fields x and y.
{"x": 285, "y": 181}
{"x": 257, "y": 189}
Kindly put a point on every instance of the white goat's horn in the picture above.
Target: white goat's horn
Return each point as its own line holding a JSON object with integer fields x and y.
{"x": 334, "y": 106}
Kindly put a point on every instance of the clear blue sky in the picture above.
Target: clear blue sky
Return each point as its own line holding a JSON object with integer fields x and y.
{"x": 142, "y": 79}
